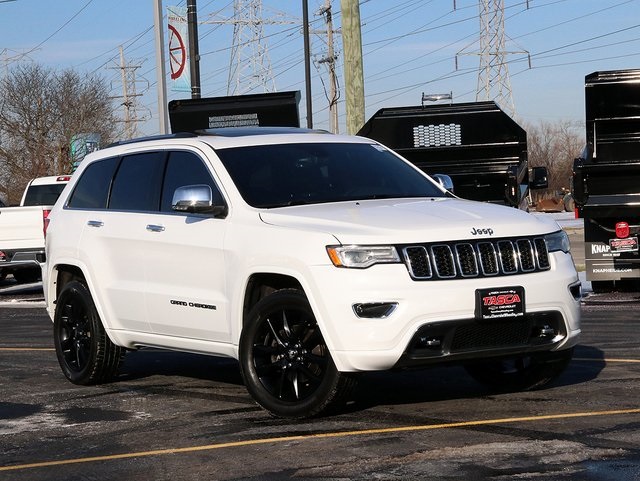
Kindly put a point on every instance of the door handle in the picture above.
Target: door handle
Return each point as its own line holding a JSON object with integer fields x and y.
{"x": 155, "y": 228}
{"x": 95, "y": 223}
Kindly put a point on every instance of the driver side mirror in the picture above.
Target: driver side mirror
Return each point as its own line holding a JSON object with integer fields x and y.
{"x": 196, "y": 199}
{"x": 444, "y": 181}
{"x": 578, "y": 182}
{"x": 539, "y": 178}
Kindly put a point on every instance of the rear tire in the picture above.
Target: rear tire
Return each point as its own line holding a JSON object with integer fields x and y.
{"x": 85, "y": 352}
{"x": 522, "y": 373}
{"x": 284, "y": 360}
{"x": 601, "y": 287}
{"x": 26, "y": 276}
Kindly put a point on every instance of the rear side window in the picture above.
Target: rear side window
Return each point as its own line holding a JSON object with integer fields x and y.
{"x": 137, "y": 182}
{"x": 185, "y": 168}
{"x": 92, "y": 189}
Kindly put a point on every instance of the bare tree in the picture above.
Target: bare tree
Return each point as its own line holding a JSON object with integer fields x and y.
{"x": 554, "y": 146}
{"x": 40, "y": 111}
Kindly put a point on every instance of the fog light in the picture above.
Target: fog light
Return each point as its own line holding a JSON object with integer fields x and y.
{"x": 374, "y": 310}
{"x": 547, "y": 331}
{"x": 430, "y": 341}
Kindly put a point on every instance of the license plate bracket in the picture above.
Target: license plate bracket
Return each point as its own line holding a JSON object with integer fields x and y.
{"x": 500, "y": 303}
{"x": 630, "y": 244}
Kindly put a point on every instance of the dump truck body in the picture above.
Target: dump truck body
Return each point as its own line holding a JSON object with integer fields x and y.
{"x": 606, "y": 179}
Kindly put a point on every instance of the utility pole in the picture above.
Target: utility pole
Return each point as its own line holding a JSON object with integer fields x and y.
{"x": 353, "y": 70}
{"x": 307, "y": 62}
{"x": 330, "y": 62}
{"x": 161, "y": 73}
{"x": 129, "y": 94}
{"x": 194, "y": 52}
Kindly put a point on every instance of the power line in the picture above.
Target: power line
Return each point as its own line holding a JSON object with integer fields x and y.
{"x": 58, "y": 30}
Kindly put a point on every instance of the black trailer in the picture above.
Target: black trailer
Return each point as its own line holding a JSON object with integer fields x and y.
{"x": 606, "y": 180}
{"x": 478, "y": 145}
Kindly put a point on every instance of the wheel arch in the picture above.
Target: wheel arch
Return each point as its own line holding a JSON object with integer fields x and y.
{"x": 62, "y": 274}
{"x": 260, "y": 285}
{"x": 65, "y": 273}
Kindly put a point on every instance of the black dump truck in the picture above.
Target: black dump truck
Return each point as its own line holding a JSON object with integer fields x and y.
{"x": 276, "y": 109}
{"x": 606, "y": 180}
{"x": 481, "y": 148}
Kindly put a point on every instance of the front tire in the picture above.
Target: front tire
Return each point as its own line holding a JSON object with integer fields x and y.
{"x": 284, "y": 359}
{"x": 85, "y": 352}
{"x": 523, "y": 373}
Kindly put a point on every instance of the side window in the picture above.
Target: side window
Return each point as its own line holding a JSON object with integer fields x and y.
{"x": 186, "y": 168}
{"x": 92, "y": 189}
{"x": 137, "y": 182}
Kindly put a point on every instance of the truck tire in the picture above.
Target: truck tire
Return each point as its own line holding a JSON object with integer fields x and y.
{"x": 26, "y": 276}
{"x": 85, "y": 352}
{"x": 522, "y": 373}
{"x": 569, "y": 203}
{"x": 601, "y": 287}
{"x": 284, "y": 360}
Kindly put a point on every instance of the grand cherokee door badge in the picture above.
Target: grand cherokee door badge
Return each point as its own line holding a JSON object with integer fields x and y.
{"x": 193, "y": 304}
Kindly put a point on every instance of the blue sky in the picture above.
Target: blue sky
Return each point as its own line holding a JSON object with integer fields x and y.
{"x": 409, "y": 46}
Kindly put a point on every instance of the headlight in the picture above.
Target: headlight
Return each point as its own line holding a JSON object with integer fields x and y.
{"x": 361, "y": 257}
{"x": 558, "y": 241}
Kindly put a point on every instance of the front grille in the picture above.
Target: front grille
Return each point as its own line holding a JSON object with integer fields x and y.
{"x": 469, "y": 259}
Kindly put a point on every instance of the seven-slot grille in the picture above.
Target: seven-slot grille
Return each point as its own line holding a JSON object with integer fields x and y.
{"x": 476, "y": 258}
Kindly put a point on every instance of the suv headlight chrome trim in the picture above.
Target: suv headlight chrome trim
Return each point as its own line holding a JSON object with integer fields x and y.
{"x": 558, "y": 241}
{"x": 361, "y": 257}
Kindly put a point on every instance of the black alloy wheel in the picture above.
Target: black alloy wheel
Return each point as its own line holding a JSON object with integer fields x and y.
{"x": 285, "y": 361}
{"x": 85, "y": 352}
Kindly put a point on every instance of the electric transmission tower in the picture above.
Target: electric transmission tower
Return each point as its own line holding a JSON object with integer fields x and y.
{"x": 249, "y": 65}
{"x": 494, "y": 82}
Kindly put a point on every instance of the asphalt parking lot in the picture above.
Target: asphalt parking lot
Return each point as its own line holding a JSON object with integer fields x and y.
{"x": 176, "y": 416}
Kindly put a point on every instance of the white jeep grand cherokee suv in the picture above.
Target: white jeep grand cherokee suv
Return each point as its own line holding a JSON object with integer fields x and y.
{"x": 308, "y": 257}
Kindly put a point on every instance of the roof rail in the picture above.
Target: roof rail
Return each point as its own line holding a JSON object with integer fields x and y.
{"x": 179, "y": 135}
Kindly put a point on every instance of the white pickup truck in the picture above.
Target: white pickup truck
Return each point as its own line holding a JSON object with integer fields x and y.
{"x": 22, "y": 229}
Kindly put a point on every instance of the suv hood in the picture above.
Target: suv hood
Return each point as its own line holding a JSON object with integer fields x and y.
{"x": 410, "y": 220}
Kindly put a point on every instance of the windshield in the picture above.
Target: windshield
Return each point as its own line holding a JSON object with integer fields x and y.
{"x": 304, "y": 173}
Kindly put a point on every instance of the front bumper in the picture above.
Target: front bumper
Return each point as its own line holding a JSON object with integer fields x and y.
{"x": 458, "y": 341}
{"x": 443, "y": 311}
